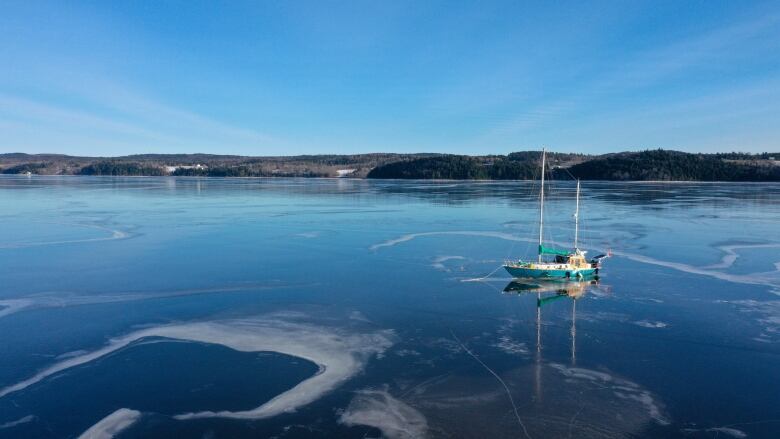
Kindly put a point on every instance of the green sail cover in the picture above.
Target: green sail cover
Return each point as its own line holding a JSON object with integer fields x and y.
{"x": 552, "y": 251}
{"x": 549, "y": 299}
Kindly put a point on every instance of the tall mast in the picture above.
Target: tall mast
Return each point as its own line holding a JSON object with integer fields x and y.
{"x": 541, "y": 209}
{"x": 577, "y": 216}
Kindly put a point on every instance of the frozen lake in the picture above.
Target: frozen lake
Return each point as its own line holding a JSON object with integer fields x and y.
{"x": 298, "y": 308}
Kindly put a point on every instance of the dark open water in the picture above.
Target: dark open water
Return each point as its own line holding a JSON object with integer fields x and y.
{"x": 159, "y": 307}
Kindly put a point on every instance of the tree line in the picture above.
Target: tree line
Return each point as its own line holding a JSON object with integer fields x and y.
{"x": 661, "y": 165}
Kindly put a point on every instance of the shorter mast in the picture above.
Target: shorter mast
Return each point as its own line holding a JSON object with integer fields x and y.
{"x": 577, "y": 217}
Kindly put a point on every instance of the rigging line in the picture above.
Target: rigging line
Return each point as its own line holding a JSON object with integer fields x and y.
{"x": 477, "y": 279}
{"x": 508, "y": 393}
{"x": 533, "y": 201}
{"x": 528, "y": 203}
{"x": 527, "y": 194}
{"x": 494, "y": 288}
{"x": 509, "y": 252}
{"x": 551, "y": 189}
{"x": 526, "y": 199}
{"x": 554, "y": 191}
{"x": 511, "y": 249}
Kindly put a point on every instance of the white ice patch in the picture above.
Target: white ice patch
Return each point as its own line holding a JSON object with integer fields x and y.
{"x": 438, "y": 262}
{"x": 733, "y": 432}
{"x": 71, "y": 354}
{"x": 19, "y": 421}
{"x": 11, "y": 306}
{"x": 359, "y": 316}
{"x": 731, "y": 255}
{"x": 112, "y": 424}
{"x": 751, "y": 279}
{"x": 621, "y": 388}
{"x": 767, "y": 313}
{"x": 407, "y": 353}
{"x": 511, "y": 347}
{"x": 648, "y": 402}
{"x": 59, "y": 300}
{"x": 506, "y": 343}
{"x": 114, "y": 234}
{"x": 411, "y": 236}
{"x": 603, "y": 316}
{"x": 394, "y": 418}
{"x": 648, "y": 299}
{"x": 649, "y": 324}
{"x": 586, "y": 374}
{"x": 338, "y": 353}
{"x": 447, "y": 344}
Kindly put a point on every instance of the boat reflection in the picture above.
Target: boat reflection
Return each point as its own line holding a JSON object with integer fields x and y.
{"x": 546, "y": 292}
{"x": 571, "y": 289}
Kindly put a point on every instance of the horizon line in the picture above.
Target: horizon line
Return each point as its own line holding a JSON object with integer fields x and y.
{"x": 380, "y": 153}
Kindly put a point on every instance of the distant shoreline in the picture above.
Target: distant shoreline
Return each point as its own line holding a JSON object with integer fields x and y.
{"x": 649, "y": 165}
{"x": 399, "y": 180}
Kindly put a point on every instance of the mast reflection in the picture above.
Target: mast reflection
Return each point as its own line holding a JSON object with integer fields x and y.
{"x": 547, "y": 292}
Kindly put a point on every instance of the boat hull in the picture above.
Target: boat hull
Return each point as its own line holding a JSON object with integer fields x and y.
{"x": 538, "y": 273}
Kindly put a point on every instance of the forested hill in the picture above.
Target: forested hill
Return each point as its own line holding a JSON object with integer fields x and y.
{"x": 679, "y": 166}
{"x": 200, "y": 165}
{"x": 663, "y": 165}
{"x": 515, "y": 166}
{"x": 660, "y": 165}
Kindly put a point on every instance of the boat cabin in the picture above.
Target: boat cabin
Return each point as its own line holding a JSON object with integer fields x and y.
{"x": 576, "y": 260}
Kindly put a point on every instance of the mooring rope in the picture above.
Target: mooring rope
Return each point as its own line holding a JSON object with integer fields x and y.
{"x": 477, "y": 279}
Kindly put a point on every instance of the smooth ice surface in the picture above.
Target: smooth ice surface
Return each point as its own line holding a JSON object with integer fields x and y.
{"x": 379, "y": 308}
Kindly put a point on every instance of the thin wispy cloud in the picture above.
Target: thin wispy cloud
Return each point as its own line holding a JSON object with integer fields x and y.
{"x": 655, "y": 67}
{"x": 135, "y": 122}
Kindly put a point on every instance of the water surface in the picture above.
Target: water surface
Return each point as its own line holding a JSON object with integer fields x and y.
{"x": 162, "y": 307}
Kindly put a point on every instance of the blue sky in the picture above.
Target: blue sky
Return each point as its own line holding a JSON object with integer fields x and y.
{"x": 293, "y": 77}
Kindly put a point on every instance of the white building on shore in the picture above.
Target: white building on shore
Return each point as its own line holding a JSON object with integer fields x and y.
{"x": 341, "y": 173}
{"x": 172, "y": 169}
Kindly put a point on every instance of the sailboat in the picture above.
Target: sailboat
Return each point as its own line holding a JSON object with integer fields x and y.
{"x": 553, "y": 263}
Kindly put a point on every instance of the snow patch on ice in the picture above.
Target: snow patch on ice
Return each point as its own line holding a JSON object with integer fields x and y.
{"x": 378, "y": 409}
{"x": 338, "y": 353}
{"x": 733, "y": 432}
{"x": 19, "y": 421}
{"x": 511, "y": 347}
{"x": 650, "y": 324}
{"x": 112, "y": 424}
{"x": 621, "y": 388}
{"x": 438, "y": 262}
